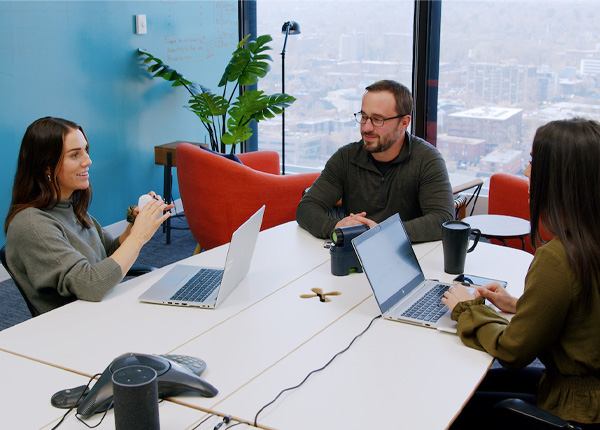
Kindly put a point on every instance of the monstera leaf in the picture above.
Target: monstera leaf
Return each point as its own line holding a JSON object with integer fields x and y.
{"x": 207, "y": 106}
{"x": 226, "y": 118}
{"x": 259, "y": 106}
{"x": 252, "y": 105}
{"x": 247, "y": 64}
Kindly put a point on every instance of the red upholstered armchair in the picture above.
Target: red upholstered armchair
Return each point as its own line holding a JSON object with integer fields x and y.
{"x": 218, "y": 194}
{"x": 509, "y": 195}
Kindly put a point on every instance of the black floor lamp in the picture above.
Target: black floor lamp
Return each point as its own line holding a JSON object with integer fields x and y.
{"x": 290, "y": 27}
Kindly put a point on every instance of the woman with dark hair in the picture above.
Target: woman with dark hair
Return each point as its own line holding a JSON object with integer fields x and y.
{"x": 55, "y": 249}
{"x": 557, "y": 319}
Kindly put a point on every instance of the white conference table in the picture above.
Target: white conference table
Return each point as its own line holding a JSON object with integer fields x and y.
{"x": 27, "y": 386}
{"x": 265, "y": 338}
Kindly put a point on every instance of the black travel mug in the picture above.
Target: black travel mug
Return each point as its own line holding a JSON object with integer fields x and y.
{"x": 455, "y": 241}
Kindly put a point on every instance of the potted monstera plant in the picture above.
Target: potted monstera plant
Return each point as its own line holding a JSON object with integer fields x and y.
{"x": 226, "y": 116}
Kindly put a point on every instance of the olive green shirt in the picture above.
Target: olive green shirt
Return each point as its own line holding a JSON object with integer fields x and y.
{"x": 551, "y": 323}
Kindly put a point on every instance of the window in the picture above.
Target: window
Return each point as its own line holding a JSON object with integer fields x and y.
{"x": 507, "y": 68}
{"x": 343, "y": 47}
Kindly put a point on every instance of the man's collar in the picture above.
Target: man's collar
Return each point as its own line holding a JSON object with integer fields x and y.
{"x": 406, "y": 149}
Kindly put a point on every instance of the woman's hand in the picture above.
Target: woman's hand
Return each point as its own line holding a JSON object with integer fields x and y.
{"x": 149, "y": 219}
{"x": 132, "y": 214}
{"x": 455, "y": 295}
{"x": 498, "y": 296}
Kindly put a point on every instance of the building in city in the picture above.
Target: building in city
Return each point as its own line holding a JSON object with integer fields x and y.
{"x": 499, "y": 127}
{"x": 501, "y": 83}
{"x": 503, "y": 160}
{"x": 464, "y": 150}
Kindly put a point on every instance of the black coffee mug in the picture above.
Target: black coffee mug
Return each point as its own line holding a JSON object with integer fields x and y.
{"x": 455, "y": 241}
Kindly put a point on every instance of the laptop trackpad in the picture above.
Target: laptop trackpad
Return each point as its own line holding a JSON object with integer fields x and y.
{"x": 177, "y": 275}
{"x": 446, "y": 324}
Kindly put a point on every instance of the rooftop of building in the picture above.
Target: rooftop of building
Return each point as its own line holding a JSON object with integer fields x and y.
{"x": 488, "y": 112}
{"x": 502, "y": 155}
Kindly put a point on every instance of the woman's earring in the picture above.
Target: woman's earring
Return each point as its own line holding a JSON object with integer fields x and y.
{"x": 48, "y": 177}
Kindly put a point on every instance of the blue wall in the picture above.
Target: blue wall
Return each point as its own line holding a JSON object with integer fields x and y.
{"x": 78, "y": 60}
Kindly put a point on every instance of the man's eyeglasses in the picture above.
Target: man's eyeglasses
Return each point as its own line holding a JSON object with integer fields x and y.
{"x": 361, "y": 118}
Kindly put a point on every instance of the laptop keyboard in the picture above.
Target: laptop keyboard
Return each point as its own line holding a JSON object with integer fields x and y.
{"x": 200, "y": 286}
{"x": 429, "y": 307}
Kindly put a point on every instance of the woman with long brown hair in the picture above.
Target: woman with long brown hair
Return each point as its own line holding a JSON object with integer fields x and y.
{"x": 557, "y": 319}
{"x": 55, "y": 249}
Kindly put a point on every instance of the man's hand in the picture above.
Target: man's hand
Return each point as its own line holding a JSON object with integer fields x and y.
{"x": 356, "y": 219}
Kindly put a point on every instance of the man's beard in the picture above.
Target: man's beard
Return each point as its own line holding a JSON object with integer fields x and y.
{"x": 385, "y": 142}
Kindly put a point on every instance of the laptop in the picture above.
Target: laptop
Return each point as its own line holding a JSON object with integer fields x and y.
{"x": 398, "y": 283}
{"x": 207, "y": 287}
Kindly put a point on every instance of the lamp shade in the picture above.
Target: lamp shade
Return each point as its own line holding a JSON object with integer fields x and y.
{"x": 292, "y": 27}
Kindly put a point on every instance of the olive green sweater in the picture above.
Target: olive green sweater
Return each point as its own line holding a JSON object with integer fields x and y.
{"x": 551, "y": 323}
{"x": 56, "y": 260}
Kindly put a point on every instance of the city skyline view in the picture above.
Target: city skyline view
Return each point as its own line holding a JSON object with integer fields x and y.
{"x": 506, "y": 68}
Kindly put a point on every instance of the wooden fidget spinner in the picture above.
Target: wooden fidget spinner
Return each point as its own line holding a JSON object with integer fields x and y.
{"x": 318, "y": 292}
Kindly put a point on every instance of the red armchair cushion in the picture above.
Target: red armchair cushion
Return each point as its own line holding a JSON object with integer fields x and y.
{"x": 218, "y": 195}
{"x": 509, "y": 195}
{"x": 265, "y": 161}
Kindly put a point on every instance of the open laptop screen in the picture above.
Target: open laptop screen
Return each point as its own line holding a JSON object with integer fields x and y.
{"x": 388, "y": 260}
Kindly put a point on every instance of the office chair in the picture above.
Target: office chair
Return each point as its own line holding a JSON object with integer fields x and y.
{"x": 462, "y": 201}
{"x": 509, "y": 195}
{"x": 34, "y": 312}
{"x": 134, "y": 271}
{"x": 516, "y": 413}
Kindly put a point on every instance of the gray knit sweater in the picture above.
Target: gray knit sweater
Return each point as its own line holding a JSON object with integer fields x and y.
{"x": 416, "y": 186}
{"x": 56, "y": 260}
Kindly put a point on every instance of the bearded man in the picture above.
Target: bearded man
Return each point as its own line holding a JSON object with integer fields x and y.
{"x": 388, "y": 171}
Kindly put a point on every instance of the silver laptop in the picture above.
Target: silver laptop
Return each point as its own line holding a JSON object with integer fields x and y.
{"x": 207, "y": 287}
{"x": 398, "y": 283}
